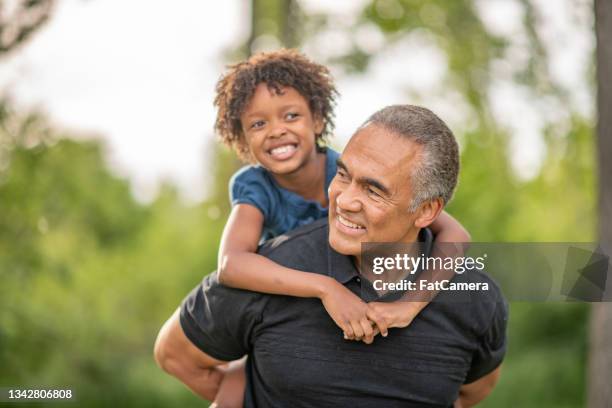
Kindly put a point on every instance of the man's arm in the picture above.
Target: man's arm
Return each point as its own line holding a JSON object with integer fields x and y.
{"x": 176, "y": 355}
{"x": 471, "y": 394}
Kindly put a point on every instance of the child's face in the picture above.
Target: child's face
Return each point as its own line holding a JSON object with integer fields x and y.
{"x": 280, "y": 129}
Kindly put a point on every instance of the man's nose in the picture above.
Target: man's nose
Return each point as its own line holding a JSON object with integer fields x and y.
{"x": 348, "y": 199}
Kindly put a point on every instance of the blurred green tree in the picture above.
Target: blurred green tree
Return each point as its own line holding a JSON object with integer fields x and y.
{"x": 89, "y": 274}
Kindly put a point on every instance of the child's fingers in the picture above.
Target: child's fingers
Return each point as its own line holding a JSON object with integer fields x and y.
{"x": 357, "y": 330}
{"x": 349, "y": 334}
{"x": 368, "y": 332}
{"x": 379, "y": 321}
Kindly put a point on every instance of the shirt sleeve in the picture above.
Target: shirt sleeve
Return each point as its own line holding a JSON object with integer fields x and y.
{"x": 492, "y": 345}
{"x": 250, "y": 186}
{"x": 220, "y": 320}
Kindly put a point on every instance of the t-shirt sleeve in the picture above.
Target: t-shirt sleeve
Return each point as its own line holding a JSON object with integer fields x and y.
{"x": 250, "y": 186}
{"x": 220, "y": 320}
{"x": 492, "y": 345}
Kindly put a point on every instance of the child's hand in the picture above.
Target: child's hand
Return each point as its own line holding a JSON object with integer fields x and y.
{"x": 348, "y": 311}
{"x": 396, "y": 314}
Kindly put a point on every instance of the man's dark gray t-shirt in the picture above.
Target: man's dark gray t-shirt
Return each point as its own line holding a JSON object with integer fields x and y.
{"x": 298, "y": 357}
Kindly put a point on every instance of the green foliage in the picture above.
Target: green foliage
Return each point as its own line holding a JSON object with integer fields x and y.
{"x": 546, "y": 361}
{"x": 89, "y": 275}
{"x": 545, "y": 365}
{"x": 456, "y": 29}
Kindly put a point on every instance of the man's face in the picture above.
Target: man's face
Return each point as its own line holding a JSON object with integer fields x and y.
{"x": 371, "y": 194}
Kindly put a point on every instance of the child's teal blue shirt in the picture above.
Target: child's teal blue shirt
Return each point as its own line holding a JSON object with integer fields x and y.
{"x": 283, "y": 210}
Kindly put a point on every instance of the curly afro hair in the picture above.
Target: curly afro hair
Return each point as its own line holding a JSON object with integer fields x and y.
{"x": 277, "y": 69}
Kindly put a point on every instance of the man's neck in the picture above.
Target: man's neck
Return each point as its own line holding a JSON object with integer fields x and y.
{"x": 410, "y": 248}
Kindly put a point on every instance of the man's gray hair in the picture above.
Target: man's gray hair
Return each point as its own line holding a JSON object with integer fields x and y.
{"x": 436, "y": 174}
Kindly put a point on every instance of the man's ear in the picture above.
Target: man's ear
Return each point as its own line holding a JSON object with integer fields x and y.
{"x": 428, "y": 212}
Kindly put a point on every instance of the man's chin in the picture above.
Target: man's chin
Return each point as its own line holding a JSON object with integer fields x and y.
{"x": 344, "y": 246}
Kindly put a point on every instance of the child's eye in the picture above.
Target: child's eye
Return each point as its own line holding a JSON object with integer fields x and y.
{"x": 291, "y": 115}
{"x": 257, "y": 124}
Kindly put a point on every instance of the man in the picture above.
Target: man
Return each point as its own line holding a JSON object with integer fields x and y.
{"x": 393, "y": 179}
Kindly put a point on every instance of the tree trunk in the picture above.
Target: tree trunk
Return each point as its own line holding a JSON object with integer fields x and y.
{"x": 600, "y": 364}
{"x": 280, "y": 18}
{"x": 290, "y": 23}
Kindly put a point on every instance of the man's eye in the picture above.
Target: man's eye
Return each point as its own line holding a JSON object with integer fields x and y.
{"x": 373, "y": 192}
{"x": 257, "y": 125}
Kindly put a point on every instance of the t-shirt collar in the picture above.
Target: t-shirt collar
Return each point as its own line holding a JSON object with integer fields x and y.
{"x": 342, "y": 268}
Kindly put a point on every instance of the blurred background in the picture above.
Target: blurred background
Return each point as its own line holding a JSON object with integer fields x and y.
{"x": 113, "y": 189}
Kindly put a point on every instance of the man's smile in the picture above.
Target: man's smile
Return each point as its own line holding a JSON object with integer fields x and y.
{"x": 348, "y": 227}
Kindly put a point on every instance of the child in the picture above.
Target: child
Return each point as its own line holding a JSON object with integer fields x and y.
{"x": 275, "y": 109}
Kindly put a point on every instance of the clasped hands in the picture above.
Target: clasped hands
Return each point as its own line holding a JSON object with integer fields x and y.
{"x": 362, "y": 321}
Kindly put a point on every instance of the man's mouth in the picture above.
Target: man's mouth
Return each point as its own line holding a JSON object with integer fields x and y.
{"x": 353, "y": 227}
{"x": 283, "y": 152}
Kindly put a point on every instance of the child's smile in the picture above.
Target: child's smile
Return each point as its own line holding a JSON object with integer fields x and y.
{"x": 283, "y": 152}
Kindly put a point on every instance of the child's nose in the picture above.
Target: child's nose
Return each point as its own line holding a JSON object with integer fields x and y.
{"x": 278, "y": 130}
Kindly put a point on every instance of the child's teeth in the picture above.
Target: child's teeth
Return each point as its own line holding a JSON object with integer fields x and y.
{"x": 282, "y": 149}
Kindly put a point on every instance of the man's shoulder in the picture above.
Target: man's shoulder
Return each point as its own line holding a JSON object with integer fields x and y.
{"x": 301, "y": 245}
{"x": 472, "y": 299}
{"x": 486, "y": 298}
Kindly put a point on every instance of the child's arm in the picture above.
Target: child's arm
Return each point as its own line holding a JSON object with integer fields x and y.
{"x": 446, "y": 229}
{"x": 240, "y": 267}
